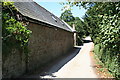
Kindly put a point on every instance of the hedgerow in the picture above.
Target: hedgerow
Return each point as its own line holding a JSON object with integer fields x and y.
{"x": 103, "y": 22}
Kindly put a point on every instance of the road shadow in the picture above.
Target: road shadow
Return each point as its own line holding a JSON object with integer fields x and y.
{"x": 56, "y": 65}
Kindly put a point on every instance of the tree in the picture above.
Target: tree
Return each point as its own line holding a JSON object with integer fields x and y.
{"x": 70, "y": 19}
{"x": 67, "y": 16}
{"x": 79, "y": 27}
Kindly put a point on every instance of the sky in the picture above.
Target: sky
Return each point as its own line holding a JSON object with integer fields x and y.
{"x": 55, "y": 8}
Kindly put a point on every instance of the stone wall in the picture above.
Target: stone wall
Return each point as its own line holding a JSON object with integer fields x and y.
{"x": 14, "y": 64}
{"x": 45, "y": 44}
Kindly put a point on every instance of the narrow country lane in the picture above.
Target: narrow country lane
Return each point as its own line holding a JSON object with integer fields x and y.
{"x": 80, "y": 66}
{"x": 75, "y": 65}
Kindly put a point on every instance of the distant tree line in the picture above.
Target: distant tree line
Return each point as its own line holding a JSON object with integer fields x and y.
{"x": 79, "y": 25}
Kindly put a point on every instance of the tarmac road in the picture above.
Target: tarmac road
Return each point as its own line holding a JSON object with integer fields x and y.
{"x": 77, "y": 64}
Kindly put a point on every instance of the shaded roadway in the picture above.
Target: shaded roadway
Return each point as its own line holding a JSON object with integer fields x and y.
{"x": 76, "y": 64}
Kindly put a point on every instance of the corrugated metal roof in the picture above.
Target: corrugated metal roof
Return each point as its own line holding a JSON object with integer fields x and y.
{"x": 35, "y": 11}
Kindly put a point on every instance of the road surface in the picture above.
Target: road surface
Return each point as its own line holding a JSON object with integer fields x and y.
{"x": 77, "y": 64}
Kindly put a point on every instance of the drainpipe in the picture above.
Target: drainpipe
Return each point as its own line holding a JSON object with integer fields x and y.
{"x": 74, "y": 35}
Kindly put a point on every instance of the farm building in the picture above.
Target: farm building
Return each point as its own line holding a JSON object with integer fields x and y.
{"x": 51, "y": 37}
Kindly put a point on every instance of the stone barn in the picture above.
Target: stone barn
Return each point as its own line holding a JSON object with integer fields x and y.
{"x": 51, "y": 37}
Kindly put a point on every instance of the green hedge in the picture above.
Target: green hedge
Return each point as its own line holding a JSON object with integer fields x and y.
{"x": 110, "y": 61}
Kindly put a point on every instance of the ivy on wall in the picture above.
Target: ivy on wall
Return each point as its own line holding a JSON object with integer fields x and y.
{"x": 14, "y": 33}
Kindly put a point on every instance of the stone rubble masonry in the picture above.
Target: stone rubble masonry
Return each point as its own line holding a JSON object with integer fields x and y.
{"x": 14, "y": 64}
{"x": 45, "y": 44}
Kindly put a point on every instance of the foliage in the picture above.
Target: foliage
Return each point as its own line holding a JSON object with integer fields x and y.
{"x": 102, "y": 22}
{"x": 67, "y": 16}
{"x": 106, "y": 33}
{"x": 79, "y": 27}
{"x": 14, "y": 34}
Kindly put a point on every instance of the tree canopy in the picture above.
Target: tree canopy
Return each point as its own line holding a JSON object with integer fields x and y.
{"x": 79, "y": 24}
{"x": 67, "y": 16}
